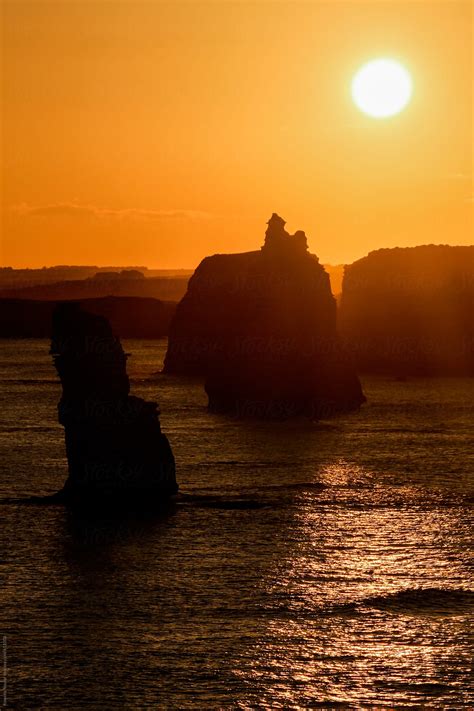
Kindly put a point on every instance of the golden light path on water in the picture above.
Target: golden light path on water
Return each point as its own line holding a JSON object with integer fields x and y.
{"x": 341, "y": 604}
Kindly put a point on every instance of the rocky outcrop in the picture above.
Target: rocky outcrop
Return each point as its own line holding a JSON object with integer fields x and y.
{"x": 132, "y": 317}
{"x": 261, "y": 328}
{"x": 116, "y": 451}
{"x": 411, "y": 310}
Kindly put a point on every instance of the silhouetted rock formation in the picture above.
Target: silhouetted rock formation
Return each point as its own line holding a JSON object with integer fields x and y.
{"x": 116, "y": 276}
{"x": 411, "y": 311}
{"x": 115, "y": 448}
{"x": 261, "y": 326}
{"x": 279, "y": 241}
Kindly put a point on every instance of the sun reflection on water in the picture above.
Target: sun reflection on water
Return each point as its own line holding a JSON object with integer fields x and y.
{"x": 349, "y": 590}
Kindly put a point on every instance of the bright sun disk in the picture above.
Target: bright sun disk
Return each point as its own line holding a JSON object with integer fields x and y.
{"x": 382, "y": 88}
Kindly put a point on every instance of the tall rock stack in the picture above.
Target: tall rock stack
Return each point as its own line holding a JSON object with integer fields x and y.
{"x": 115, "y": 448}
{"x": 261, "y": 328}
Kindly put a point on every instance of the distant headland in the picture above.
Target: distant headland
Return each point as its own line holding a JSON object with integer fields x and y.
{"x": 410, "y": 311}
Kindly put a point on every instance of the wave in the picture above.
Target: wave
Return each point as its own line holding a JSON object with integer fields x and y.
{"x": 412, "y": 601}
{"x": 31, "y": 381}
{"x": 9, "y": 429}
{"x": 429, "y": 600}
{"x": 416, "y": 429}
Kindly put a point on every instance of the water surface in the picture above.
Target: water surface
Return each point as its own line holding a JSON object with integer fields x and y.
{"x": 313, "y": 565}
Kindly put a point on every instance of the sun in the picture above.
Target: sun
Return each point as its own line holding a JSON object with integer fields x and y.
{"x": 382, "y": 88}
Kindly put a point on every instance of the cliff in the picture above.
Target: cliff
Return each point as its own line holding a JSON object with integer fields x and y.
{"x": 116, "y": 451}
{"x": 131, "y": 317}
{"x": 129, "y": 283}
{"x": 411, "y": 310}
{"x": 261, "y": 328}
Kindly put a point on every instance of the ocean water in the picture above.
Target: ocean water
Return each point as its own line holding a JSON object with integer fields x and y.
{"x": 309, "y": 565}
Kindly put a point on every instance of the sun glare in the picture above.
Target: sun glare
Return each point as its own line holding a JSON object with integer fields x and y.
{"x": 382, "y": 88}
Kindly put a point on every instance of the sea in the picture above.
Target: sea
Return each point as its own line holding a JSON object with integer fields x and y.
{"x": 306, "y": 565}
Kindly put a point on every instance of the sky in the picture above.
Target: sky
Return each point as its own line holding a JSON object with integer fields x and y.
{"x": 153, "y": 133}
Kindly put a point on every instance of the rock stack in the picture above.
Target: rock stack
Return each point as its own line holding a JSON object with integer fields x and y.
{"x": 115, "y": 448}
{"x": 261, "y": 328}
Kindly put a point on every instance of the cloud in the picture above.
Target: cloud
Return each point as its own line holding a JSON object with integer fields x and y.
{"x": 459, "y": 176}
{"x": 75, "y": 210}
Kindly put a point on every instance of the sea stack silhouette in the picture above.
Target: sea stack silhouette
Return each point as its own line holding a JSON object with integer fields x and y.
{"x": 261, "y": 327}
{"x": 116, "y": 452}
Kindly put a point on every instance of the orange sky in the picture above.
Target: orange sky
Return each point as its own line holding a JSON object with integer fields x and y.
{"x": 155, "y": 133}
